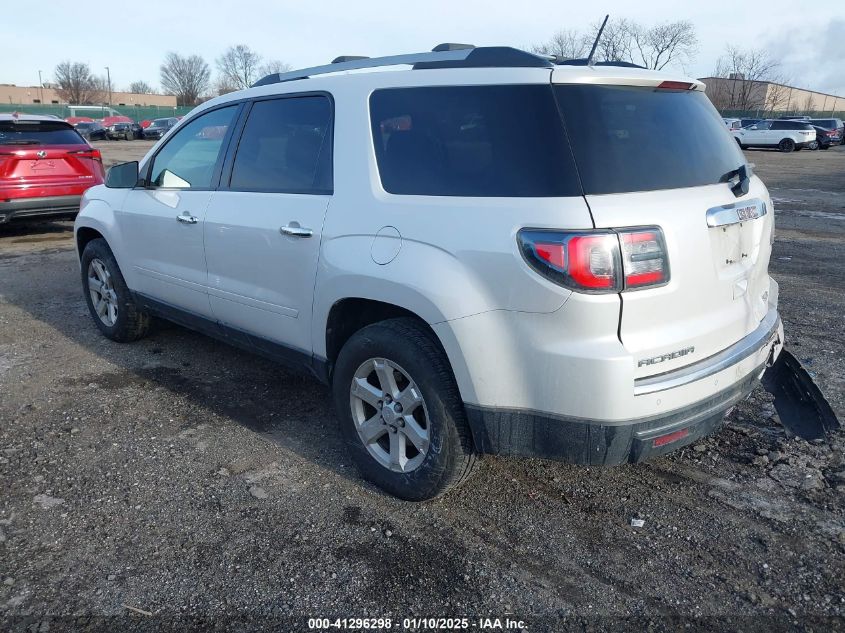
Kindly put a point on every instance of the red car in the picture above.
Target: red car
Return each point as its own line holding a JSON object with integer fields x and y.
{"x": 45, "y": 167}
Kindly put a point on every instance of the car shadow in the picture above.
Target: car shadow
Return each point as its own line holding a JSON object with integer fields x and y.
{"x": 213, "y": 378}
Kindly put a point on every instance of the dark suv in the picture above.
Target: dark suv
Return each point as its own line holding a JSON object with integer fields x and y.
{"x": 834, "y": 129}
{"x": 160, "y": 127}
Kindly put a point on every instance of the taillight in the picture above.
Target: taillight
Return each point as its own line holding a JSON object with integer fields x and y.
{"x": 598, "y": 261}
{"x": 93, "y": 154}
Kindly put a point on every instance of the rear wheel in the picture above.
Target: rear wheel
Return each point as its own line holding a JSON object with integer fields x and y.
{"x": 786, "y": 145}
{"x": 400, "y": 411}
{"x": 741, "y": 146}
{"x": 814, "y": 145}
{"x": 111, "y": 304}
{"x": 129, "y": 135}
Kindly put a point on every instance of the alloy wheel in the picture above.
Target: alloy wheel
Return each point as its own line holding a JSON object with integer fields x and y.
{"x": 103, "y": 296}
{"x": 390, "y": 415}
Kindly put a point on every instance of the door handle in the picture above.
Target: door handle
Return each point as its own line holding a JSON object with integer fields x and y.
{"x": 187, "y": 218}
{"x": 295, "y": 230}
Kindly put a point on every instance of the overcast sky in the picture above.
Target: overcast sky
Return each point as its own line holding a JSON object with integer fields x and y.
{"x": 132, "y": 42}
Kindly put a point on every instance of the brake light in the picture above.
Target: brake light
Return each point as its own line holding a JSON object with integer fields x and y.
{"x": 675, "y": 85}
{"x": 93, "y": 154}
{"x": 598, "y": 261}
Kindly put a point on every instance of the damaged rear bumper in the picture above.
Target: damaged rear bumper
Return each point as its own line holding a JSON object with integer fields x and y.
{"x": 528, "y": 433}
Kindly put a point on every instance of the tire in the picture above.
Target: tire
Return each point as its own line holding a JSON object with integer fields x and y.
{"x": 814, "y": 145}
{"x": 404, "y": 350}
{"x": 786, "y": 145}
{"x": 123, "y": 321}
{"x": 129, "y": 135}
{"x": 741, "y": 146}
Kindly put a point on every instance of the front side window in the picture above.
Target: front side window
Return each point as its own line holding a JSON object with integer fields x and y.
{"x": 189, "y": 159}
{"x": 286, "y": 147}
{"x": 480, "y": 141}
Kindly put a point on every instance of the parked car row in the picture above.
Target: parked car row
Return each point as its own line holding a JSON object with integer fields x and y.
{"x": 789, "y": 133}
{"x": 124, "y": 128}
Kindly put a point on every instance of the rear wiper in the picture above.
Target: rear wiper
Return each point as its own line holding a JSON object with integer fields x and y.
{"x": 739, "y": 179}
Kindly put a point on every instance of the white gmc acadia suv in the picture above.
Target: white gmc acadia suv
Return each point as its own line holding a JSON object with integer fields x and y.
{"x": 482, "y": 251}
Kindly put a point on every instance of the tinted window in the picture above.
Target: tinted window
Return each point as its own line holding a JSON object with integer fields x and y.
{"x": 643, "y": 139}
{"x": 190, "y": 156}
{"x": 780, "y": 125}
{"x": 38, "y": 133}
{"x": 472, "y": 141}
{"x": 830, "y": 124}
{"x": 286, "y": 146}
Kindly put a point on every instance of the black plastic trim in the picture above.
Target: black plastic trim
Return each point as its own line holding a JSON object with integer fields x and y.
{"x": 295, "y": 359}
{"x": 526, "y": 433}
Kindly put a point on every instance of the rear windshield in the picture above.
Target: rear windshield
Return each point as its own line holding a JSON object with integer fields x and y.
{"x": 830, "y": 124}
{"x": 480, "y": 141}
{"x": 38, "y": 133}
{"x": 629, "y": 139}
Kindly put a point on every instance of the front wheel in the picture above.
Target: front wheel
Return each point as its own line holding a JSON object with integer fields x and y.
{"x": 111, "y": 304}
{"x": 786, "y": 145}
{"x": 400, "y": 411}
{"x": 814, "y": 145}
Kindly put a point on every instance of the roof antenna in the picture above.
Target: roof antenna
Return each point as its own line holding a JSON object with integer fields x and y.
{"x": 596, "y": 43}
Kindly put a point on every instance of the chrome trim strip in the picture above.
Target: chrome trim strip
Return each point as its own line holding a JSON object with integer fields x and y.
{"x": 737, "y": 352}
{"x": 736, "y": 212}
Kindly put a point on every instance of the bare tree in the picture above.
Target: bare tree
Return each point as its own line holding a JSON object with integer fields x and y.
{"x": 654, "y": 47}
{"x": 565, "y": 44}
{"x": 76, "y": 85}
{"x": 663, "y": 44}
{"x": 272, "y": 67}
{"x": 746, "y": 73}
{"x": 223, "y": 86}
{"x": 185, "y": 77}
{"x": 777, "y": 95}
{"x": 809, "y": 104}
{"x": 239, "y": 66}
{"x": 141, "y": 87}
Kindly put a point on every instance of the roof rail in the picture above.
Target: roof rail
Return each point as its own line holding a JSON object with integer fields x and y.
{"x": 559, "y": 61}
{"x": 348, "y": 58}
{"x": 451, "y": 57}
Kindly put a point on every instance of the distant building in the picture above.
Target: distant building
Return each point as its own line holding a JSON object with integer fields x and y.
{"x": 12, "y": 94}
{"x": 737, "y": 93}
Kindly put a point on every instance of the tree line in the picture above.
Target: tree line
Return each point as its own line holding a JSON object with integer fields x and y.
{"x": 187, "y": 77}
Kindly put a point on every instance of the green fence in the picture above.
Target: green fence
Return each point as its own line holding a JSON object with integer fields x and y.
{"x": 138, "y": 113}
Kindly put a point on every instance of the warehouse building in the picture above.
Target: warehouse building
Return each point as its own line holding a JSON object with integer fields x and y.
{"x": 25, "y": 95}
{"x": 735, "y": 93}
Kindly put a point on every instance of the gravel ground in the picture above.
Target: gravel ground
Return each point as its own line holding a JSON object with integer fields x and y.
{"x": 179, "y": 483}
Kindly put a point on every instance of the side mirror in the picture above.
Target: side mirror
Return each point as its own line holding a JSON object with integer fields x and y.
{"x": 123, "y": 176}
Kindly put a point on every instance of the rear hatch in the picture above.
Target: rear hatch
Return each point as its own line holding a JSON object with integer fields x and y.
{"x": 38, "y": 157}
{"x": 660, "y": 155}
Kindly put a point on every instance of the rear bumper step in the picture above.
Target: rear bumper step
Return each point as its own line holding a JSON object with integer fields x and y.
{"x": 32, "y": 207}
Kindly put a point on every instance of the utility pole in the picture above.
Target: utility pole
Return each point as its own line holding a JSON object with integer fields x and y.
{"x": 108, "y": 79}
{"x": 41, "y": 87}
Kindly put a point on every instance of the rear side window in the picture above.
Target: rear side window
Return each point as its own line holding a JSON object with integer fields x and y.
{"x": 480, "y": 141}
{"x": 286, "y": 147}
{"x": 629, "y": 139}
{"x": 38, "y": 133}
